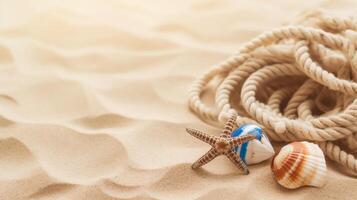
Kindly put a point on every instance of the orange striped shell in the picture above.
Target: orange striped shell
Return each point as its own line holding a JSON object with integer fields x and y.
{"x": 300, "y": 164}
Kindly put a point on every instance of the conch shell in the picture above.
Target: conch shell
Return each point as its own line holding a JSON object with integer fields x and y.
{"x": 253, "y": 151}
{"x": 300, "y": 164}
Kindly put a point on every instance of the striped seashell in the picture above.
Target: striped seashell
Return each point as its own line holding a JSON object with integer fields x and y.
{"x": 253, "y": 151}
{"x": 300, "y": 164}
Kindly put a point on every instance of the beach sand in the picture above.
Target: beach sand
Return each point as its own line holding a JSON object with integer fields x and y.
{"x": 93, "y": 99}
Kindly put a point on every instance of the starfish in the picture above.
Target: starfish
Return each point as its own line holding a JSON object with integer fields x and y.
{"x": 222, "y": 145}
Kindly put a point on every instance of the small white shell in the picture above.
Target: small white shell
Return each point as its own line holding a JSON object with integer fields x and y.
{"x": 300, "y": 164}
{"x": 256, "y": 150}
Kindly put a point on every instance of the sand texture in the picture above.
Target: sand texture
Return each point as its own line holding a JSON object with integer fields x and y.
{"x": 93, "y": 99}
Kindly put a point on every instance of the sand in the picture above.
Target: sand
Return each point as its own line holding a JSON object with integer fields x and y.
{"x": 93, "y": 99}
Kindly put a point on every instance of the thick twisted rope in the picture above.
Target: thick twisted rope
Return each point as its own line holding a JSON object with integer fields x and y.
{"x": 297, "y": 82}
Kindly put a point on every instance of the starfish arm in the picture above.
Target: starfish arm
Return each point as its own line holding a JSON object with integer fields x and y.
{"x": 210, "y": 155}
{"x": 229, "y": 125}
{"x": 241, "y": 139}
{"x": 201, "y": 135}
{"x": 234, "y": 157}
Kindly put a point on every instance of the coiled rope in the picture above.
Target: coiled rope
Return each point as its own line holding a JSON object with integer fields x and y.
{"x": 297, "y": 82}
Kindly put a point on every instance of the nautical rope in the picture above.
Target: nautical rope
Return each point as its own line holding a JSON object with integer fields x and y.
{"x": 297, "y": 82}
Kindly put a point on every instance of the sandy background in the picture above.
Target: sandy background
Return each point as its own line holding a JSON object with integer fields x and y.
{"x": 93, "y": 98}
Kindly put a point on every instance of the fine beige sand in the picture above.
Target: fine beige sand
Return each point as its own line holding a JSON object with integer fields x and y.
{"x": 93, "y": 99}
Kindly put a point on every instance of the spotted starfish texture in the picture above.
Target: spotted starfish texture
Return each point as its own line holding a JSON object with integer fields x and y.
{"x": 222, "y": 145}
